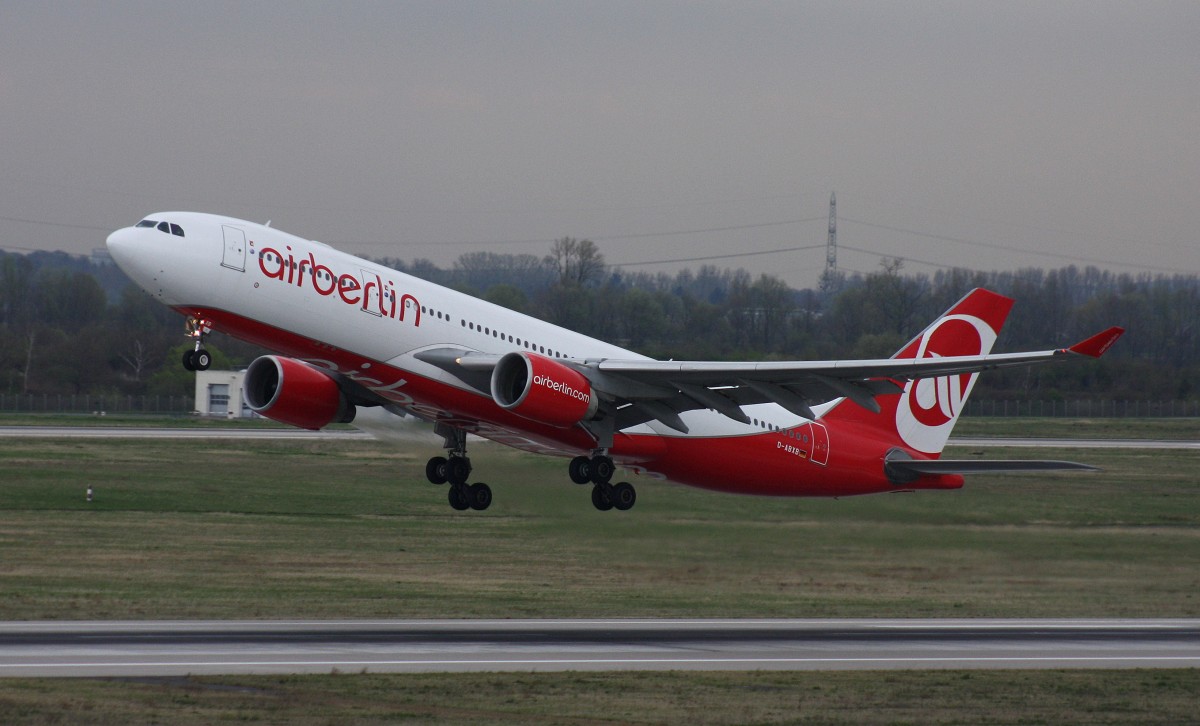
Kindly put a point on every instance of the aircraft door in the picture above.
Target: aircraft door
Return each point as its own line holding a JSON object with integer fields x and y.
{"x": 820, "y": 443}
{"x": 371, "y": 284}
{"x": 234, "y": 255}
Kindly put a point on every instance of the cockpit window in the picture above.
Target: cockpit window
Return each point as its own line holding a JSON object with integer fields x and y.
{"x": 166, "y": 227}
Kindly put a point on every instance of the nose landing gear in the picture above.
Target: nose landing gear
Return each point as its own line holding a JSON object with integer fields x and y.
{"x": 197, "y": 359}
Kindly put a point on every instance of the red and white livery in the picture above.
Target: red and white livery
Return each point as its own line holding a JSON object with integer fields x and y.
{"x": 350, "y": 333}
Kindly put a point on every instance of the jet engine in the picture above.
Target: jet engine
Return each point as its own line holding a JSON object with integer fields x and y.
{"x": 542, "y": 389}
{"x": 293, "y": 392}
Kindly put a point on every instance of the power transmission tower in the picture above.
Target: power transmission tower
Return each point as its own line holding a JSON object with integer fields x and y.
{"x": 829, "y": 278}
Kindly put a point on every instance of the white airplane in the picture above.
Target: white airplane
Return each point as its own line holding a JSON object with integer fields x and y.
{"x": 352, "y": 333}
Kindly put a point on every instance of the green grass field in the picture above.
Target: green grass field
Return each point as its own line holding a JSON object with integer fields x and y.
{"x": 255, "y": 529}
{"x": 1147, "y": 698}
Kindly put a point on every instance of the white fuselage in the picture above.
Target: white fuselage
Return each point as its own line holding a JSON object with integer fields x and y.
{"x": 367, "y": 323}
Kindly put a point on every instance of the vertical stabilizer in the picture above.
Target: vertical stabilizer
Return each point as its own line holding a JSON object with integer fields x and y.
{"x": 923, "y": 415}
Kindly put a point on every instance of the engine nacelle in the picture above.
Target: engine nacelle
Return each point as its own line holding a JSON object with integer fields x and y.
{"x": 293, "y": 392}
{"x": 542, "y": 389}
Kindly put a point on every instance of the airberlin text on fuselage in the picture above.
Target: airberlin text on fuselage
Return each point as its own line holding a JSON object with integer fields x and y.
{"x": 561, "y": 387}
{"x": 347, "y": 287}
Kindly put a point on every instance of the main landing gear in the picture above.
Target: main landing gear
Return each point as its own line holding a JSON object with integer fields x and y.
{"x": 598, "y": 471}
{"x": 455, "y": 470}
{"x": 197, "y": 359}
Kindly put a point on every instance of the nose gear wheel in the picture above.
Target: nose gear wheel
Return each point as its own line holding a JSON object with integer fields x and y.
{"x": 197, "y": 359}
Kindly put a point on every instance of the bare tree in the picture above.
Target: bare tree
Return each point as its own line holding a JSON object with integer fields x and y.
{"x": 136, "y": 359}
{"x": 578, "y": 262}
{"x": 28, "y": 360}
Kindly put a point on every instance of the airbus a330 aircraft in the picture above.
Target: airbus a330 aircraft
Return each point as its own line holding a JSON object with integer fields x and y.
{"x": 351, "y": 333}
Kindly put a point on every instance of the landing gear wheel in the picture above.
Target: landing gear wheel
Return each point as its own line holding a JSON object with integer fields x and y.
{"x": 188, "y": 363}
{"x": 479, "y": 496}
{"x": 201, "y": 359}
{"x": 602, "y": 497}
{"x": 458, "y": 468}
{"x": 458, "y": 497}
{"x": 435, "y": 470}
{"x": 623, "y": 496}
{"x": 602, "y": 469}
{"x": 581, "y": 470}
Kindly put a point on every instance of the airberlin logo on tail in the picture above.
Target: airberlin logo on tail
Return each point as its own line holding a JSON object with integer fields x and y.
{"x": 560, "y": 387}
{"x": 929, "y": 407}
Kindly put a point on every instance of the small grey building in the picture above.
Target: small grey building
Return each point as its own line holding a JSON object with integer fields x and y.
{"x": 219, "y": 393}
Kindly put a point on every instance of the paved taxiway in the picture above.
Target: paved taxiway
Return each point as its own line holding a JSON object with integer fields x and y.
{"x": 124, "y": 648}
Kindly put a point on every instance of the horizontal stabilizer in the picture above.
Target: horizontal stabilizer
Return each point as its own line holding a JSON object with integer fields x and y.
{"x": 978, "y": 466}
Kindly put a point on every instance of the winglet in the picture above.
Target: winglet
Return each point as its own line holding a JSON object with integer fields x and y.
{"x": 1098, "y": 344}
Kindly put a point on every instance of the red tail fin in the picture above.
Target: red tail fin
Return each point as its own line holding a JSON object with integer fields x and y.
{"x": 922, "y": 417}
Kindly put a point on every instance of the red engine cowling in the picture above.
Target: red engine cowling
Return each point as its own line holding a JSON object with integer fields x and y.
{"x": 293, "y": 392}
{"x": 543, "y": 390}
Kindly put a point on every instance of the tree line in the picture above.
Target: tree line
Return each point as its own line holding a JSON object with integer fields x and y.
{"x": 68, "y": 326}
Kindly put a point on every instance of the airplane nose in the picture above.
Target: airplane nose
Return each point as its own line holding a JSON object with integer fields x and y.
{"x": 119, "y": 244}
{"x": 117, "y": 238}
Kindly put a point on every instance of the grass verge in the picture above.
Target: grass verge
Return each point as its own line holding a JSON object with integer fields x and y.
{"x": 191, "y": 529}
{"x": 930, "y": 697}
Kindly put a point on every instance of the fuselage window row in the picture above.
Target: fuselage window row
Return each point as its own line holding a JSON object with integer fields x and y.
{"x": 505, "y": 336}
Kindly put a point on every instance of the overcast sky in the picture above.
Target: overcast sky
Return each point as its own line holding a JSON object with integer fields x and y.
{"x": 988, "y": 135}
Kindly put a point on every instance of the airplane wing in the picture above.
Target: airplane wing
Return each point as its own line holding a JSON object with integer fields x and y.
{"x": 638, "y": 391}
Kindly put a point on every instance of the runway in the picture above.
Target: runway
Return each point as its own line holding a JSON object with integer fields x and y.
{"x": 175, "y": 648}
{"x": 148, "y": 432}
{"x": 161, "y": 432}
{"x": 1077, "y": 443}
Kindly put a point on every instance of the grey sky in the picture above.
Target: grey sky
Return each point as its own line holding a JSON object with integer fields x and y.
{"x": 1004, "y": 135}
